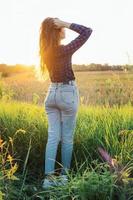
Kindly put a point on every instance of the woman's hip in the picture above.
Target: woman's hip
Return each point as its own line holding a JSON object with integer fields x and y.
{"x": 63, "y": 96}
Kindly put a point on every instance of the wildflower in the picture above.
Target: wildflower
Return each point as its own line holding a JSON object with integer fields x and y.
{"x": 9, "y": 158}
{"x": 12, "y": 171}
{"x": 1, "y": 143}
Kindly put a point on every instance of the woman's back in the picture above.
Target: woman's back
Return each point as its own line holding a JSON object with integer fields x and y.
{"x": 60, "y": 67}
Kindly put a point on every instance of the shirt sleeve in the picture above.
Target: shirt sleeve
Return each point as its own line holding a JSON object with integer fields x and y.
{"x": 74, "y": 45}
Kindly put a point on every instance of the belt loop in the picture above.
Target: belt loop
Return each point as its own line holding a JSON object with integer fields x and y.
{"x": 71, "y": 82}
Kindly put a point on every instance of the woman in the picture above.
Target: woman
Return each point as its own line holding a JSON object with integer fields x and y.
{"x": 62, "y": 100}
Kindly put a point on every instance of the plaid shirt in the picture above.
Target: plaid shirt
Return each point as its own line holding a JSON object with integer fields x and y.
{"x": 61, "y": 67}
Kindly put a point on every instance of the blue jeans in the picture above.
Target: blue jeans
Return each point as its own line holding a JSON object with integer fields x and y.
{"x": 61, "y": 106}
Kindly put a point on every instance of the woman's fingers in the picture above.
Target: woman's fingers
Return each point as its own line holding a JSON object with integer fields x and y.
{"x": 57, "y": 23}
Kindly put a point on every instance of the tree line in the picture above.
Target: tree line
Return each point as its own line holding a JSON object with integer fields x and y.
{"x": 102, "y": 67}
{"x": 6, "y": 70}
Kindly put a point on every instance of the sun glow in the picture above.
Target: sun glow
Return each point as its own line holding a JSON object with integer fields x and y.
{"x": 110, "y": 21}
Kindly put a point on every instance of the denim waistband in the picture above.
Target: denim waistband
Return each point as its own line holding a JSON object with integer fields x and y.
{"x": 71, "y": 82}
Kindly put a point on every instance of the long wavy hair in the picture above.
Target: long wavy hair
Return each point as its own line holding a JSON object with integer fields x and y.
{"x": 48, "y": 42}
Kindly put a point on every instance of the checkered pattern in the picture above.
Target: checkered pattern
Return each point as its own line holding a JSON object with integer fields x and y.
{"x": 61, "y": 68}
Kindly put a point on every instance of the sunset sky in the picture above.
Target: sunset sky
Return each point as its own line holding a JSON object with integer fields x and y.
{"x": 111, "y": 20}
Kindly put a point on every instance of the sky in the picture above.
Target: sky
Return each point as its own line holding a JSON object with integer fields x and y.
{"x": 111, "y": 20}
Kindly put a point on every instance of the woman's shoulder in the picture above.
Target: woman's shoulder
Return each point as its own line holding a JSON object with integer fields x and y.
{"x": 59, "y": 49}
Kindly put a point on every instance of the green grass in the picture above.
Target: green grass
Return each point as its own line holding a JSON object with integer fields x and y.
{"x": 97, "y": 126}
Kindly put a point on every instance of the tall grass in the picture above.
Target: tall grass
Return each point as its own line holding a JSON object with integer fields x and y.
{"x": 97, "y": 126}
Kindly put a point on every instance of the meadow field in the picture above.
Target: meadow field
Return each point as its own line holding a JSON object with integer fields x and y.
{"x": 104, "y": 120}
{"x": 95, "y": 87}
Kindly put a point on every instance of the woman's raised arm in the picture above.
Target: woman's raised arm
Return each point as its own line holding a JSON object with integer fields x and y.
{"x": 74, "y": 45}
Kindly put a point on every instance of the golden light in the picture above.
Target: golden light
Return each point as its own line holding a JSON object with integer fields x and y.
{"x": 110, "y": 20}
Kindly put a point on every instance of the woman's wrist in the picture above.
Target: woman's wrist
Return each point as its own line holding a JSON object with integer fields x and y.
{"x": 66, "y": 24}
{"x": 61, "y": 24}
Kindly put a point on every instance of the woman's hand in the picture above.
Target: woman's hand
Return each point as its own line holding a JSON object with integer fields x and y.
{"x": 60, "y": 24}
